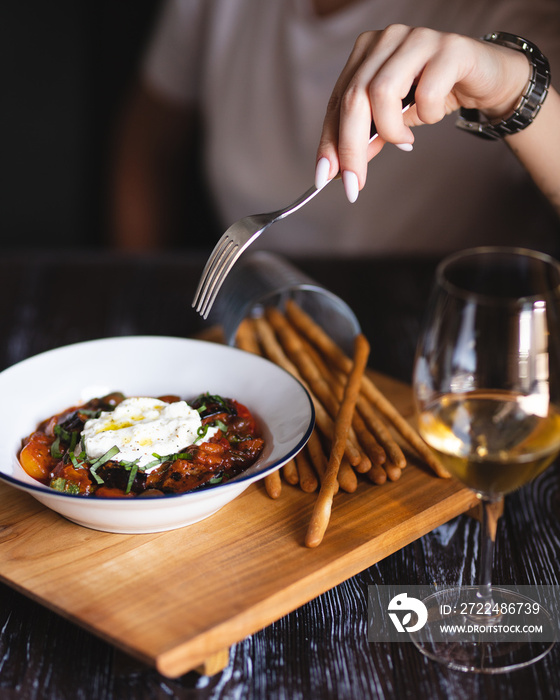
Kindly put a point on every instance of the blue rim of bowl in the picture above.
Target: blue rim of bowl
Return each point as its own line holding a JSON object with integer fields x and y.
{"x": 237, "y": 480}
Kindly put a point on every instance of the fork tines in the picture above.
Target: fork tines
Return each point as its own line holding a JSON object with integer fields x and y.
{"x": 219, "y": 264}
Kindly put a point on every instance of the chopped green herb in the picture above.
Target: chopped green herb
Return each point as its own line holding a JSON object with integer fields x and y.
{"x": 89, "y": 413}
{"x": 131, "y": 477}
{"x": 133, "y": 468}
{"x": 216, "y": 480}
{"x": 128, "y": 465}
{"x": 100, "y": 461}
{"x": 55, "y": 448}
{"x": 73, "y": 440}
{"x": 160, "y": 459}
{"x": 77, "y": 462}
{"x": 221, "y": 425}
{"x": 201, "y": 432}
{"x": 218, "y": 399}
{"x": 213, "y": 398}
{"x": 64, "y": 435}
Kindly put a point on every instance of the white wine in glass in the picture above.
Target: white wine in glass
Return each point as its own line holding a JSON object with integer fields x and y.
{"x": 487, "y": 390}
{"x": 489, "y": 441}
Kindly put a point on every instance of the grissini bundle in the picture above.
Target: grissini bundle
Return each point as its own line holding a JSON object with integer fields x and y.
{"x": 317, "y": 336}
{"x": 296, "y": 343}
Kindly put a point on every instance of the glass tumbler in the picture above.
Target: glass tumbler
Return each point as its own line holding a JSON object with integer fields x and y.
{"x": 266, "y": 279}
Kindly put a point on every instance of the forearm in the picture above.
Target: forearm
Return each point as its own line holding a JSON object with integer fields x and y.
{"x": 538, "y": 148}
{"x": 140, "y": 207}
{"x": 450, "y": 71}
{"x": 151, "y": 154}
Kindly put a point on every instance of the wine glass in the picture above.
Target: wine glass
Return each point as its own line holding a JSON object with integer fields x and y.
{"x": 487, "y": 392}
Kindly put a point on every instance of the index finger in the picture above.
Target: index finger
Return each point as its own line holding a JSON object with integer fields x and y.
{"x": 329, "y": 140}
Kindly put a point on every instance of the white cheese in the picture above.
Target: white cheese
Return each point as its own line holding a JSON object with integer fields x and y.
{"x": 140, "y": 427}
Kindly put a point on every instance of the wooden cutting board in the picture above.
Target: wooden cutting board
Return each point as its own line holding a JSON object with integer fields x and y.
{"x": 178, "y": 599}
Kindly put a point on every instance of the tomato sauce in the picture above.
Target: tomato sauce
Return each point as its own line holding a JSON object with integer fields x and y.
{"x": 51, "y": 454}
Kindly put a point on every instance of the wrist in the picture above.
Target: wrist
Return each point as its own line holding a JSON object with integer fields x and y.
{"x": 514, "y": 79}
{"x": 501, "y": 121}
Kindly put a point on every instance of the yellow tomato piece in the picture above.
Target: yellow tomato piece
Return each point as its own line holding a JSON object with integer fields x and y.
{"x": 35, "y": 457}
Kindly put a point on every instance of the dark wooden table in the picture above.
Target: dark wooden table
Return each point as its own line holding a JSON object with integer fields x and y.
{"x": 321, "y": 649}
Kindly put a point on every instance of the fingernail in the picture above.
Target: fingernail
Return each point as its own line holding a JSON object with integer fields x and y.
{"x": 405, "y": 146}
{"x": 351, "y": 185}
{"x": 322, "y": 173}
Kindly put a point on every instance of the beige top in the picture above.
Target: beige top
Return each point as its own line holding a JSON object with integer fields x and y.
{"x": 262, "y": 73}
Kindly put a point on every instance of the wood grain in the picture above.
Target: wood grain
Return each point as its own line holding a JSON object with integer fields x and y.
{"x": 175, "y": 599}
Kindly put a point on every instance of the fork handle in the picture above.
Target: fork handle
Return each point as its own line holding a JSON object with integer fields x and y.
{"x": 312, "y": 191}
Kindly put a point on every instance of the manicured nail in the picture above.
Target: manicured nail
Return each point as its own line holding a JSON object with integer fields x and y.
{"x": 351, "y": 185}
{"x": 322, "y": 173}
{"x": 405, "y": 146}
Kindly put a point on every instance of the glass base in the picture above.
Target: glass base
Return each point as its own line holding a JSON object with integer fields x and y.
{"x": 494, "y": 636}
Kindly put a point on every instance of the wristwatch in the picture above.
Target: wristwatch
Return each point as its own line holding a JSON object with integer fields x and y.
{"x": 529, "y": 103}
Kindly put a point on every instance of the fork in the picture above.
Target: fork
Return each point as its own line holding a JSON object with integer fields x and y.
{"x": 242, "y": 233}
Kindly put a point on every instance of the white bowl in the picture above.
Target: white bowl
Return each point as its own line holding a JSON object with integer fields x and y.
{"x": 45, "y": 384}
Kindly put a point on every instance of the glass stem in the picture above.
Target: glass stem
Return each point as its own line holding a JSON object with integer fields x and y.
{"x": 491, "y": 512}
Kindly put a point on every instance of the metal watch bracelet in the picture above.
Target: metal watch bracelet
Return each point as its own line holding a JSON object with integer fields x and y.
{"x": 529, "y": 103}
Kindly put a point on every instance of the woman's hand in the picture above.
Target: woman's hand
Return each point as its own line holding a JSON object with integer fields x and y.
{"x": 449, "y": 70}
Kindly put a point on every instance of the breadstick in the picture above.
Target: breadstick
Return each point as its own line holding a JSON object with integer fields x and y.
{"x": 377, "y": 474}
{"x": 214, "y": 334}
{"x": 320, "y": 339}
{"x": 295, "y": 351}
{"x": 376, "y": 426}
{"x": 274, "y": 352}
{"x": 386, "y": 408}
{"x": 273, "y": 484}
{"x": 245, "y": 338}
{"x": 317, "y": 336}
{"x": 307, "y": 479}
{"x": 271, "y": 347}
{"x": 370, "y": 450}
{"x": 369, "y": 442}
{"x": 393, "y": 472}
{"x": 371, "y": 446}
{"x": 366, "y": 439}
{"x": 347, "y": 476}
{"x": 317, "y": 456}
{"x": 322, "y": 510}
{"x": 290, "y": 473}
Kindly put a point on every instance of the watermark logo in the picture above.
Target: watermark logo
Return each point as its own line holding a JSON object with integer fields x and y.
{"x": 458, "y": 614}
{"x": 408, "y": 604}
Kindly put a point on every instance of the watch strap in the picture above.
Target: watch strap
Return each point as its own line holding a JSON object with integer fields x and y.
{"x": 530, "y": 101}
